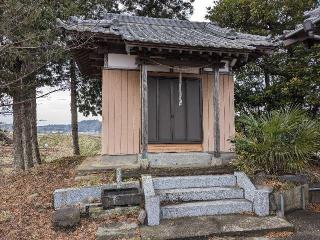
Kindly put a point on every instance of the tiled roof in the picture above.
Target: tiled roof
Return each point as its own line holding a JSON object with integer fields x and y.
{"x": 313, "y": 15}
{"x": 168, "y": 31}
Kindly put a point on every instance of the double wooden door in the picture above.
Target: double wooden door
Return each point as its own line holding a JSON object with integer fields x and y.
{"x": 174, "y": 110}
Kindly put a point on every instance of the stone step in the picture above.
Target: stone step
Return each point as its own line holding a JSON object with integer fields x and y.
{"x": 206, "y": 208}
{"x": 205, "y": 181}
{"x": 210, "y": 227}
{"x": 199, "y": 194}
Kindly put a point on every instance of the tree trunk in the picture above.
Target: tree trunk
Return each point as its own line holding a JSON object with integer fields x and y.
{"x": 73, "y": 107}
{"x": 267, "y": 79}
{"x": 17, "y": 133}
{"x": 26, "y": 133}
{"x": 34, "y": 132}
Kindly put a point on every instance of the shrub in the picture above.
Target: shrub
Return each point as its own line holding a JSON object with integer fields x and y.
{"x": 282, "y": 141}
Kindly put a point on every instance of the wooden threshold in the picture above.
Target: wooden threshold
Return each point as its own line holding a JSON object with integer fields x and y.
{"x": 178, "y": 148}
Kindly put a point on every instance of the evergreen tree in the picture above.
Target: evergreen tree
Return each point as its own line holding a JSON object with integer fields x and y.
{"x": 287, "y": 77}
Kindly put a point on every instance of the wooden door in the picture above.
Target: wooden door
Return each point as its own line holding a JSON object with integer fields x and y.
{"x": 174, "y": 110}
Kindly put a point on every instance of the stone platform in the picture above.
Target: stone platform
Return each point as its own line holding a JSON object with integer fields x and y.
{"x": 106, "y": 163}
{"x": 100, "y": 164}
{"x": 209, "y": 226}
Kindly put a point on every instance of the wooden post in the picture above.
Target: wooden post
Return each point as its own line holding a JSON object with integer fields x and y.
{"x": 216, "y": 111}
{"x": 144, "y": 110}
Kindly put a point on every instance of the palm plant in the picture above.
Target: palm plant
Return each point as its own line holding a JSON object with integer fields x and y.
{"x": 282, "y": 141}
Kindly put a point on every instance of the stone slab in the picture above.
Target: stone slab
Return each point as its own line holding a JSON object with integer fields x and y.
{"x": 105, "y": 163}
{"x": 199, "y": 194}
{"x": 179, "y": 159}
{"x": 228, "y": 225}
{"x": 83, "y": 195}
{"x": 122, "y": 230}
{"x": 192, "y": 209}
{"x": 292, "y": 198}
{"x": 203, "y": 181}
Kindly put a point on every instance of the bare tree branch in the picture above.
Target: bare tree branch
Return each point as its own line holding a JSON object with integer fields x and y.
{"x": 30, "y": 99}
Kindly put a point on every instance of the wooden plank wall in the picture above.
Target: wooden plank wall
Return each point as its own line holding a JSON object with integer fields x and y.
{"x": 226, "y": 112}
{"x": 120, "y": 112}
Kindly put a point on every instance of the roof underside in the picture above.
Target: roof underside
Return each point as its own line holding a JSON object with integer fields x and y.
{"x": 125, "y": 34}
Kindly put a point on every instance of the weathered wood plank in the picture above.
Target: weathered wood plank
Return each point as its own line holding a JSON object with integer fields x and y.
{"x": 111, "y": 113}
{"x": 222, "y": 111}
{"x": 124, "y": 112}
{"x": 226, "y": 112}
{"x": 158, "y": 148}
{"x": 130, "y": 123}
{"x": 117, "y": 112}
{"x": 232, "y": 111}
{"x": 205, "y": 114}
{"x": 104, "y": 136}
{"x": 144, "y": 109}
{"x": 216, "y": 110}
{"x": 137, "y": 113}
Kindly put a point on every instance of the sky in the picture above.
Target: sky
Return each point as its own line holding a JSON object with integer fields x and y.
{"x": 55, "y": 109}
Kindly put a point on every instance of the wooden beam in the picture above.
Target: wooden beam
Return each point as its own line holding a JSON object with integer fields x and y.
{"x": 144, "y": 110}
{"x": 180, "y": 60}
{"x": 216, "y": 111}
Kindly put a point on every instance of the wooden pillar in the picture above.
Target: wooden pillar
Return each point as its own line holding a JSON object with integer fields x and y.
{"x": 216, "y": 111}
{"x": 144, "y": 110}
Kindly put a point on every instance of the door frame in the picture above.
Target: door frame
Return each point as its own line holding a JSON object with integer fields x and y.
{"x": 184, "y": 76}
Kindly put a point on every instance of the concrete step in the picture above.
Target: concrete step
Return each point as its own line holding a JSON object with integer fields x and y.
{"x": 205, "y": 181}
{"x": 206, "y": 208}
{"x": 199, "y": 194}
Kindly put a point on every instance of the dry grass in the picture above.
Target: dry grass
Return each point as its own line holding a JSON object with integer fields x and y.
{"x": 278, "y": 185}
{"x": 314, "y": 207}
{"x": 26, "y": 197}
{"x": 53, "y": 147}
{"x": 279, "y": 234}
{"x": 26, "y": 203}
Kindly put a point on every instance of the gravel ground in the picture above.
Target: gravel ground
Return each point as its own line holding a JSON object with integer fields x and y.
{"x": 307, "y": 223}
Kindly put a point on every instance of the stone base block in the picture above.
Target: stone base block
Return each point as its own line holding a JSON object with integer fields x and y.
{"x": 152, "y": 207}
{"x": 66, "y": 217}
{"x": 121, "y": 197}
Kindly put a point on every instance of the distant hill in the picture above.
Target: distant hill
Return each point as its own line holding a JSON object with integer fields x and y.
{"x": 85, "y": 126}
{"x": 5, "y": 126}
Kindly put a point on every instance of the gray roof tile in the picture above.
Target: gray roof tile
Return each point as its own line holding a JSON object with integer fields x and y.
{"x": 168, "y": 31}
{"x": 313, "y": 15}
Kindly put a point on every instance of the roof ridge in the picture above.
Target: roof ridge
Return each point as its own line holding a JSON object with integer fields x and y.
{"x": 134, "y": 19}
